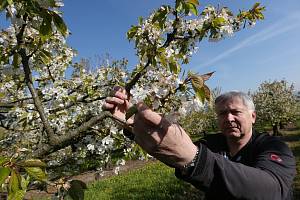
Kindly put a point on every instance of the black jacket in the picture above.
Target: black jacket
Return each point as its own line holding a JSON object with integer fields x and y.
{"x": 262, "y": 169}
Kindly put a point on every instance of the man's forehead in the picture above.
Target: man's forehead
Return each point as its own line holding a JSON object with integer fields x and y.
{"x": 232, "y": 103}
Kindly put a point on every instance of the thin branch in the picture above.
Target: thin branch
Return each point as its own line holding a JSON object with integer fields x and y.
{"x": 29, "y": 83}
{"x": 71, "y": 136}
{"x": 50, "y": 74}
{"x": 36, "y": 99}
{"x": 135, "y": 79}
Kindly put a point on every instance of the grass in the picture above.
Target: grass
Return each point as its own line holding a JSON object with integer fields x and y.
{"x": 154, "y": 181}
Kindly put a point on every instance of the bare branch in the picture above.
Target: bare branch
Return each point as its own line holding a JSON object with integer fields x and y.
{"x": 70, "y": 137}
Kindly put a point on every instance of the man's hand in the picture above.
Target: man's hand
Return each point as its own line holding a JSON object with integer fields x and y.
{"x": 167, "y": 142}
{"x": 117, "y": 103}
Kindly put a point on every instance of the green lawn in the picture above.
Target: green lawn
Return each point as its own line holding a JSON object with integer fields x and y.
{"x": 154, "y": 181}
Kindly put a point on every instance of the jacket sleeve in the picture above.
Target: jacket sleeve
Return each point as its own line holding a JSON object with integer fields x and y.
{"x": 269, "y": 178}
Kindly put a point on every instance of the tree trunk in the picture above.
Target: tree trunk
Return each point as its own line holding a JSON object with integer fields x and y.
{"x": 281, "y": 125}
{"x": 275, "y": 130}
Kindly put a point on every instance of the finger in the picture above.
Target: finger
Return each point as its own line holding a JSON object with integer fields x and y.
{"x": 121, "y": 95}
{"x": 108, "y": 106}
{"x": 114, "y": 100}
{"x": 118, "y": 92}
{"x": 118, "y": 88}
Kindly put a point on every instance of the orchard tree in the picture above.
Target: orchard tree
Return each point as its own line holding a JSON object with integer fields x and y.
{"x": 275, "y": 104}
{"x": 200, "y": 119}
{"x": 53, "y": 117}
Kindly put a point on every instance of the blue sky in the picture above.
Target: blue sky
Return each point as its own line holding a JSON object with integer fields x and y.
{"x": 268, "y": 51}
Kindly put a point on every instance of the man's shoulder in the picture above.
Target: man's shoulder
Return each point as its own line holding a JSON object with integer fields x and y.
{"x": 265, "y": 141}
{"x": 213, "y": 137}
{"x": 214, "y": 141}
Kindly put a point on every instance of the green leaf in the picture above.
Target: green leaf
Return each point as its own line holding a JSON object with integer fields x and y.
{"x": 59, "y": 23}
{"x": 183, "y": 87}
{"x": 45, "y": 28}
{"x": 10, "y": 2}
{"x": 90, "y": 91}
{"x": 260, "y": 16}
{"x": 25, "y": 182}
{"x": 256, "y": 5}
{"x": 207, "y": 76}
{"x": 2, "y": 95}
{"x": 217, "y": 22}
{"x": 3, "y": 4}
{"x": 140, "y": 20}
{"x": 194, "y": 2}
{"x": 179, "y": 6}
{"x": 14, "y": 182}
{"x": 132, "y": 31}
{"x": 200, "y": 94}
{"x": 46, "y": 53}
{"x": 192, "y": 8}
{"x": 4, "y": 173}
{"x": 45, "y": 56}
{"x": 32, "y": 163}
{"x": 76, "y": 191}
{"x": 73, "y": 98}
{"x": 197, "y": 81}
{"x": 163, "y": 60}
{"x": 174, "y": 67}
{"x": 3, "y": 159}
{"x": 36, "y": 173}
{"x": 137, "y": 70}
{"x": 161, "y": 16}
{"x": 18, "y": 195}
{"x": 207, "y": 92}
{"x": 16, "y": 60}
{"x": 52, "y": 3}
{"x": 130, "y": 112}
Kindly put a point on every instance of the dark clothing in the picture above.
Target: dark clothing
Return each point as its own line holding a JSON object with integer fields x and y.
{"x": 263, "y": 169}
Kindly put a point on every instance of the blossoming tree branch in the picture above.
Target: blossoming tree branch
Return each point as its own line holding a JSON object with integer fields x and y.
{"x": 46, "y": 114}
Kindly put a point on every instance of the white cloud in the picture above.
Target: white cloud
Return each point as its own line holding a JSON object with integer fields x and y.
{"x": 280, "y": 27}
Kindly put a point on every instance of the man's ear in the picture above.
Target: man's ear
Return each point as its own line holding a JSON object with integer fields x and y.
{"x": 253, "y": 117}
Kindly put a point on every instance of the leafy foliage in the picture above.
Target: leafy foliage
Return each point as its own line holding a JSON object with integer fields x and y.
{"x": 48, "y": 115}
{"x": 275, "y": 103}
{"x": 15, "y": 180}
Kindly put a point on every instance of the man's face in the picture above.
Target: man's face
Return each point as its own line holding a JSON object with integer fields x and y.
{"x": 234, "y": 118}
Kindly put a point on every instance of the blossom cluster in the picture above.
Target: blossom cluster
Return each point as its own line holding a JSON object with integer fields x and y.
{"x": 43, "y": 89}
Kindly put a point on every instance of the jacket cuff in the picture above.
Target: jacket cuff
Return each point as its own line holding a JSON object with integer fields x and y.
{"x": 199, "y": 165}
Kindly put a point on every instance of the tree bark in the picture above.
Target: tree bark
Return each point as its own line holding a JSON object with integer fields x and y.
{"x": 275, "y": 130}
{"x": 70, "y": 137}
{"x": 281, "y": 125}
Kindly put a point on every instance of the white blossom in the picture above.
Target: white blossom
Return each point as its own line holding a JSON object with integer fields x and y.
{"x": 117, "y": 170}
{"x": 91, "y": 147}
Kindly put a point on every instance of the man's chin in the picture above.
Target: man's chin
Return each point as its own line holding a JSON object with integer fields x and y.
{"x": 233, "y": 134}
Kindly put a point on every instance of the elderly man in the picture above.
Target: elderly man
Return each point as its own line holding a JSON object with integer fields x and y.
{"x": 235, "y": 164}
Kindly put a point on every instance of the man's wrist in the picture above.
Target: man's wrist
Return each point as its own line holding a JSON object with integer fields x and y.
{"x": 189, "y": 167}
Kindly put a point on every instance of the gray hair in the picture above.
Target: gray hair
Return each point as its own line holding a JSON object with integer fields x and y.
{"x": 247, "y": 100}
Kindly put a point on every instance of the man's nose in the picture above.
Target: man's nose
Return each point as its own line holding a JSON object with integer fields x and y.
{"x": 229, "y": 117}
